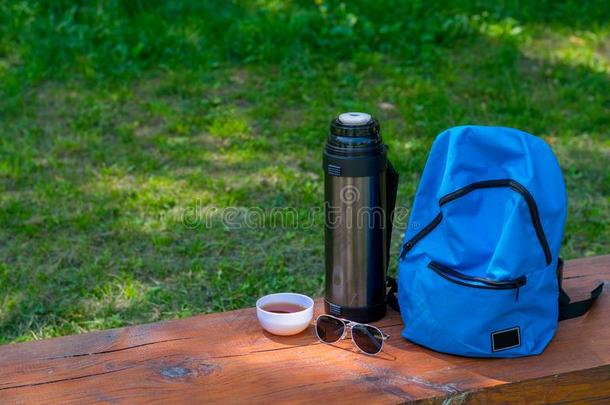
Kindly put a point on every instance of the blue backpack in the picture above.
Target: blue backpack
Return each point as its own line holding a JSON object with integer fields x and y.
{"x": 478, "y": 270}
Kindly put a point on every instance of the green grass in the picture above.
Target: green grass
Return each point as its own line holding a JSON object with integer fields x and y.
{"x": 123, "y": 122}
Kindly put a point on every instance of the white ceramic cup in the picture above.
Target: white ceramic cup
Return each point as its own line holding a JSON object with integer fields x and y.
{"x": 285, "y": 324}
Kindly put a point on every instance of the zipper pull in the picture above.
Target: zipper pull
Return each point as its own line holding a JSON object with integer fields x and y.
{"x": 405, "y": 249}
{"x": 520, "y": 282}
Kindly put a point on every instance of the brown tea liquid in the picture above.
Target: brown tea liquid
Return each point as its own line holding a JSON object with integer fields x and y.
{"x": 283, "y": 307}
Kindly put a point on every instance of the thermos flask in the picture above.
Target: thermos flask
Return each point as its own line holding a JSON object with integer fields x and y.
{"x": 360, "y": 188}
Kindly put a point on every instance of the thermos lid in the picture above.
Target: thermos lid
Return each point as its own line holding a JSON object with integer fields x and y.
{"x": 354, "y": 118}
{"x": 354, "y": 147}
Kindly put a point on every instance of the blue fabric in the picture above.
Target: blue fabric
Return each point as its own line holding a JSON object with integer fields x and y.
{"x": 486, "y": 233}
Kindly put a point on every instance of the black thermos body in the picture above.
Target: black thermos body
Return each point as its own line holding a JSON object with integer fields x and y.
{"x": 360, "y": 188}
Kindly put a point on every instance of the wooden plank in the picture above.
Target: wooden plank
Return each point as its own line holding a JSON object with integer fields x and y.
{"x": 583, "y": 386}
{"x": 226, "y": 357}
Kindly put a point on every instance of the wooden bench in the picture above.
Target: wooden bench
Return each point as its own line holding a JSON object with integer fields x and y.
{"x": 226, "y": 357}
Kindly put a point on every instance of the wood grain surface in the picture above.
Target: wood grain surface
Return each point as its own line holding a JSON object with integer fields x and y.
{"x": 227, "y": 358}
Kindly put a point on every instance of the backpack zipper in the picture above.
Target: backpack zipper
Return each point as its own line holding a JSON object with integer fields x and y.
{"x": 484, "y": 283}
{"x": 513, "y": 185}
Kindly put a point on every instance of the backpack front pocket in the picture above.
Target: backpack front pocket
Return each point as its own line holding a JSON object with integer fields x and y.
{"x": 477, "y": 282}
{"x": 452, "y": 312}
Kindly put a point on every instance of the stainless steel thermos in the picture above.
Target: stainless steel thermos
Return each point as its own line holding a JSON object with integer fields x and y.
{"x": 360, "y": 188}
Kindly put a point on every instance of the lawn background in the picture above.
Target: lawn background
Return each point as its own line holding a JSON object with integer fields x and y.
{"x": 118, "y": 118}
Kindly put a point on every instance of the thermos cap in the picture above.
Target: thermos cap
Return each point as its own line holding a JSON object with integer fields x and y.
{"x": 354, "y": 118}
{"x": 354, "y": 130}
{"x": 354, "y": 147}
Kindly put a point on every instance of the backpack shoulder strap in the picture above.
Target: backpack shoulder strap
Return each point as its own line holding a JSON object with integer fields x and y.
{"x": 569, "y": 310}
{"x": 392, "y": 294}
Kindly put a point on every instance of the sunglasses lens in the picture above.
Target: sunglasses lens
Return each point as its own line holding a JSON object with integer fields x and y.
{"x": 367, "y": 338}
{"x": 329, "y": 329}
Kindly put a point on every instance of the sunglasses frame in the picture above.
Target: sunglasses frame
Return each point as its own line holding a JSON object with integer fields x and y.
{"x": 347, "y": 324}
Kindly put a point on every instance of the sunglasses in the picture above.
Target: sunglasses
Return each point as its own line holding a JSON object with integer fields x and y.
{"x": 366, "y": 338}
